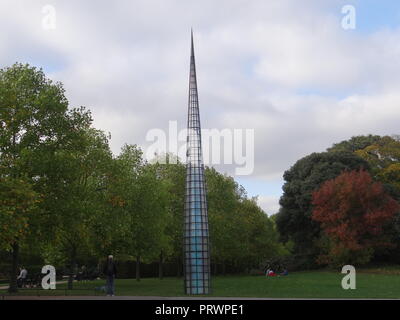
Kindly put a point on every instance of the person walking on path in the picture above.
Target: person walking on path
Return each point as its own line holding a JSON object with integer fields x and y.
{"x": 110, "y": 271}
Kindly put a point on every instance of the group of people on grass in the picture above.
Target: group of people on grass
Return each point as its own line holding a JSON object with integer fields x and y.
{"x": 109, "y": 270}
{"x": 271, "y": 273}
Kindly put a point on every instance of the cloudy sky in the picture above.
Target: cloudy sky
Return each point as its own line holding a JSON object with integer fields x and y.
{"x": 285, "y": 68}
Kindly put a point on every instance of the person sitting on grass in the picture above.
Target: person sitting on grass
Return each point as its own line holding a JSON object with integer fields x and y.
{"x": 271, "y": 273}
{"x": 284, "y": 272}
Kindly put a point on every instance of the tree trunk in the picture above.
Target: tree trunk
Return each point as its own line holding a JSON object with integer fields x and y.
{"x": 160, "y": 266}
{"x": 215, "y": 268}
{"x": 178, "y": 267}
{"x": 224, "y": 268}
{"x": 71, "y": 269}
{"x": 15, "y": 247}
{"x": 13, "y": 288}
{"x": 137, "y": 268}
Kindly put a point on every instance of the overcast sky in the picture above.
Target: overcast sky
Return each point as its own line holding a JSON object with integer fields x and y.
{"x": 285, "y": 68}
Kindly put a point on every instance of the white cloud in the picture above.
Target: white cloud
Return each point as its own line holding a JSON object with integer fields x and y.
{"x": 285, "y": 68}
{"x": 270, "y": 204}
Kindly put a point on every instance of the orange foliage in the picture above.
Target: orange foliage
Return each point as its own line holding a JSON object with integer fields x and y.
{"x": 352, "y": 210}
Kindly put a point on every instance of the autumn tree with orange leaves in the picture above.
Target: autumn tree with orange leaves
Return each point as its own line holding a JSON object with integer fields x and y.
{"x": 353, "y": 211}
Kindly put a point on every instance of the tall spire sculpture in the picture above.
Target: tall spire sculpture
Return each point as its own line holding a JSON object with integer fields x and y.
{"x": 196, "y": 237}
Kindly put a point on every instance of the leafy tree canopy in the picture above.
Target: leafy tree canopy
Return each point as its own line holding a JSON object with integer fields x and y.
{"x": 306, "y": 175}
{"x": 352, "y": 210}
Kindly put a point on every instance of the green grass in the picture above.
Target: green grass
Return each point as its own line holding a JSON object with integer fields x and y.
{"x": 322, "y": 284}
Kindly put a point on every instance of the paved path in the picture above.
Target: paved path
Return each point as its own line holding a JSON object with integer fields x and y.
{"x": 152, "y": 298}
{"x": 119, "y": 298}
{"x": 57, "y": 282}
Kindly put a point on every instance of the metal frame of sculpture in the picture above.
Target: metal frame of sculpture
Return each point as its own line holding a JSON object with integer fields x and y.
{"x": 196, "y": 233}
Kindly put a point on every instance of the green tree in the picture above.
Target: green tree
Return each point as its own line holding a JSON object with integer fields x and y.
{"x": 241, "y": 234}
{"x": 172, "y": 172}
{"x": 140, "y": 198}
{"x": 384, "y": 158}
{"x": 33, "y": 118}
{"x": 78, "y": 200}
{"x": 224, "y": 218}
{"x": 256, "y": 232}
{"x": 355, "y": 143}
{"x": 17, "y": 204}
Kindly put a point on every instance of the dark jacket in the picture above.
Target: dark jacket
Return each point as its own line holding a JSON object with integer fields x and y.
{"x": 110, "y": 268}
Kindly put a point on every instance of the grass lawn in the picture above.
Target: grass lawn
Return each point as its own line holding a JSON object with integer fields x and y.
{"x": 320, "y": 284}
